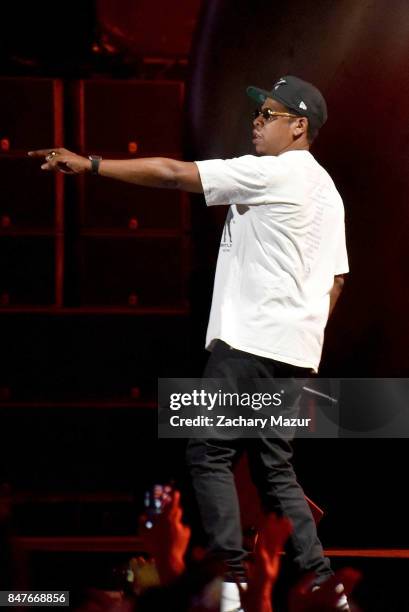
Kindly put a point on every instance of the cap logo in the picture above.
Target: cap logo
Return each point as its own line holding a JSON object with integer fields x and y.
{"x": 303, "y": 105}
{"x": 280, "y": 82}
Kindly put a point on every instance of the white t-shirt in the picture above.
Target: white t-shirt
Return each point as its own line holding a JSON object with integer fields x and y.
{"x": 282, "y": 244}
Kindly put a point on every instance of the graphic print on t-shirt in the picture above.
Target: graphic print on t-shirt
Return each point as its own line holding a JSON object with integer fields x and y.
{"x": 227, "y": 237}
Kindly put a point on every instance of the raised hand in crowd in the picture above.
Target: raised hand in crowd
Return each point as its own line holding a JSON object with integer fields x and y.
{"x": 263, "y": 573}
{"x": 168, "y": 539}
{"x": 332, "y": 595}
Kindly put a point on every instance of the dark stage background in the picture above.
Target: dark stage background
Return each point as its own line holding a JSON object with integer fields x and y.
{"x": 104, "y": 287}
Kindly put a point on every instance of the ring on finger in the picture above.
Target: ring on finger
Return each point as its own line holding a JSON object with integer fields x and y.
{"x": 50, "y": 156}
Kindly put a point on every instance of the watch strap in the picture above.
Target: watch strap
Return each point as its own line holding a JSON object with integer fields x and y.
{"x": 95, "y": 161}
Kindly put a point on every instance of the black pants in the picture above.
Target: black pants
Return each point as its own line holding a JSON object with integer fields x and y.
{"x": 210, "y": 462}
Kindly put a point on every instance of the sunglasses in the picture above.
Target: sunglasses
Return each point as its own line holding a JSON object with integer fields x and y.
{"x": 269, "y": 115}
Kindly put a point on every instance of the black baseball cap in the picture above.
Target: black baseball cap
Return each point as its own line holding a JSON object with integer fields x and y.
{"x": 301, "y": 97}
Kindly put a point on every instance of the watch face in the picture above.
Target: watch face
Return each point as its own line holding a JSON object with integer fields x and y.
{"x": 95, "y": 159}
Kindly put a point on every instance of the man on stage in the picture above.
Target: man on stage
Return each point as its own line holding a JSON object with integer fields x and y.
{"x": 279, "y": 273}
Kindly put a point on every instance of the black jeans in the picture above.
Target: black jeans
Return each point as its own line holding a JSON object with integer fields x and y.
{"x": 210, "y": 462}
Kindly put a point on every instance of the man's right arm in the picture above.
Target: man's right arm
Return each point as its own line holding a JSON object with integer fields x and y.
{"x": 159, "y": 172}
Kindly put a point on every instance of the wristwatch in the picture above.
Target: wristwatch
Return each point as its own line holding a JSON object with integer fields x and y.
{"x": 95, "y": 161}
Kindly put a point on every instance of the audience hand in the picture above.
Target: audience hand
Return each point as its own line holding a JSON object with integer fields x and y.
{"x": 168, "y": 540}
{"x": 264, "y": 572}
{"x": 324, "y": 599}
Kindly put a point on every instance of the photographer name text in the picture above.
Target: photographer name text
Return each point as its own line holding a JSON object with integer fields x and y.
{"x": 239, "y": 421}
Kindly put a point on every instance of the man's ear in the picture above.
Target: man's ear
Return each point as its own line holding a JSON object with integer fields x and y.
{"x": 300, "y": 126}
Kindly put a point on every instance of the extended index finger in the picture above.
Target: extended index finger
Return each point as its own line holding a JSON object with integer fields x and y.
{"x": 40, "y": 152}
{"x": 173, "y": 505}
